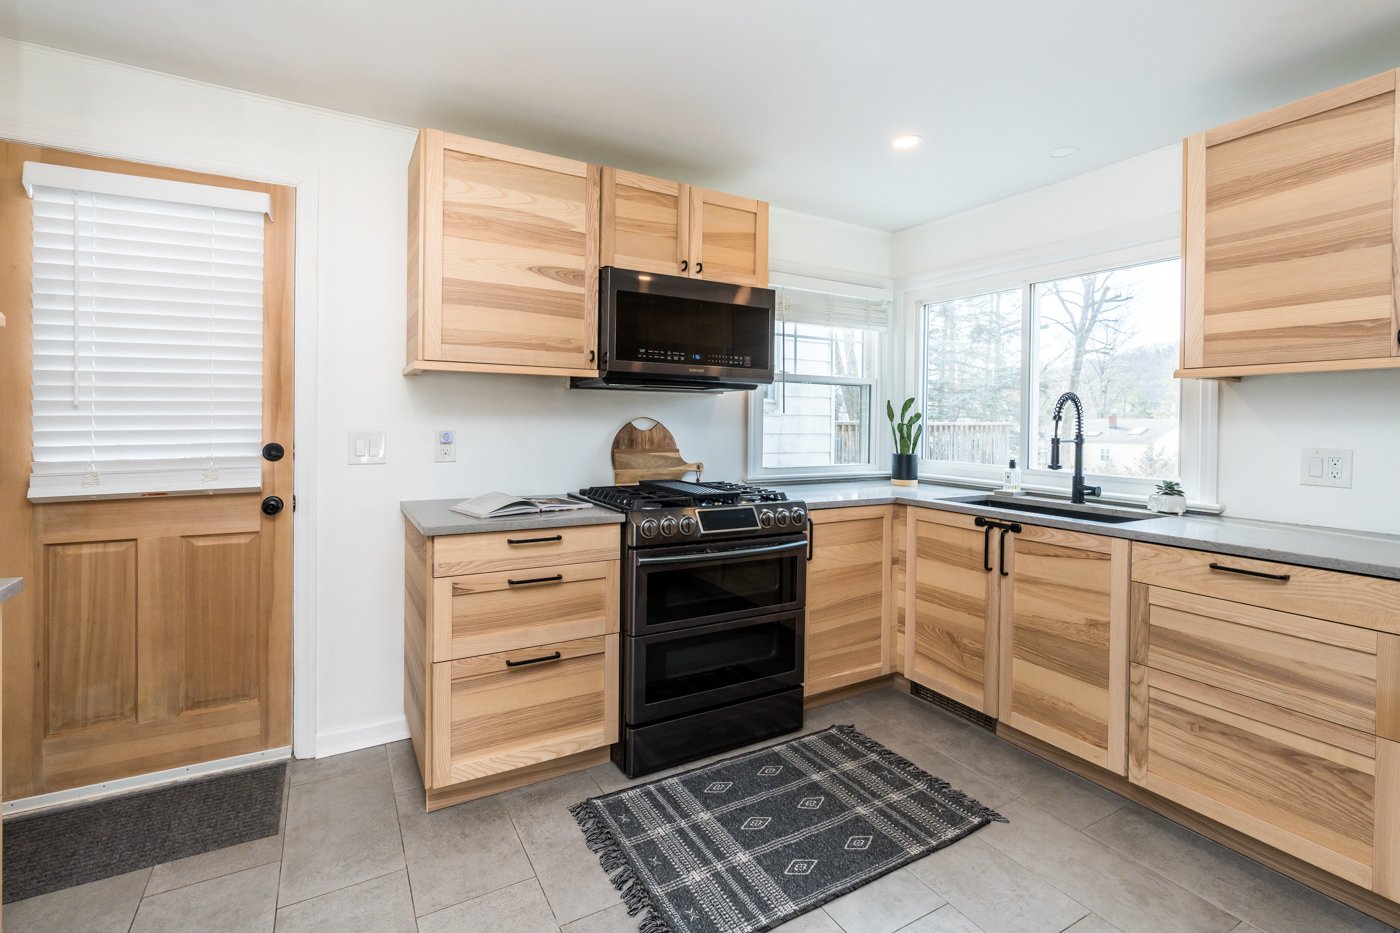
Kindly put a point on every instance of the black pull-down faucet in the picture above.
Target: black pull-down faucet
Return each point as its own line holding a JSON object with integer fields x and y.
{"x": 1078, "y": 490}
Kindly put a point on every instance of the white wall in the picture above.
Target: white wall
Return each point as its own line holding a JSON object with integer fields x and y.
{"x": 523, "y": 434}
{"x": 1265, "y": 421}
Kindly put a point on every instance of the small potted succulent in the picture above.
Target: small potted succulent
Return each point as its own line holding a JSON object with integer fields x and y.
{"x": 904, "y": 468}
{"x": 1169, "y": 500}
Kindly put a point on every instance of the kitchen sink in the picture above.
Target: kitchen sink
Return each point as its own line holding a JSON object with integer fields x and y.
{"x": 1087, "y": 513}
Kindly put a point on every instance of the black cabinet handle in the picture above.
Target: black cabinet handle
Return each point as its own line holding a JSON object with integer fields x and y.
{"x": 549, "y": 657}
{"x": 534, "y": 540}
{"x": 1280, "y": 577}
{"x": 1001, "y": 551}
{"x": 811, "y": 538}
{"x": 685, "y": 265}
{"x": 986, "y": 525}
{"x": 699, "y": 268}
{"x": 554, "y": 579}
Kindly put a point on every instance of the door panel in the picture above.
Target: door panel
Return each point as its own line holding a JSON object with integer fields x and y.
{"x": 951, "y": 645}
{"x": 643, "y": 222}
{"x": 848, "y": 605}
{"x": 153, "y": 632}
{"x": 728, "y": 238}
{"x": 90, "y": 611}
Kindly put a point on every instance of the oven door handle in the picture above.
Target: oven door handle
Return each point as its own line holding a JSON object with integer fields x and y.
{"x": 723, "y": 555}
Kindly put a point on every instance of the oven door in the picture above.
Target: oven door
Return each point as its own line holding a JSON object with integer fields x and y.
{"x": 673, "y": 673}
{"x": 674, "y": 588}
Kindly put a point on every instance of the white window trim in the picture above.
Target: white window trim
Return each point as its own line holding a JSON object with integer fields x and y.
{"x": 1199, "y": 397}
{"x": 884, "y": 357}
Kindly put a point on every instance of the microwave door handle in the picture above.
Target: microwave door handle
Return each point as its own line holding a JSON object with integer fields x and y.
{"x": 722, "y": 555}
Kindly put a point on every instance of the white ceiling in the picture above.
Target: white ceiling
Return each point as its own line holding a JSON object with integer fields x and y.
{"x": 792, "y": 101}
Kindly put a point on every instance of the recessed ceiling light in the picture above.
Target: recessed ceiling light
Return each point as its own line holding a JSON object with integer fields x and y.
{"x": 907, "y": 141}
{"x": 1061, "y": 152}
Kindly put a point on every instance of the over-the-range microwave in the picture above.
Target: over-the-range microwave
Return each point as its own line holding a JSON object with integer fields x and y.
{"x": 671, "y": 333}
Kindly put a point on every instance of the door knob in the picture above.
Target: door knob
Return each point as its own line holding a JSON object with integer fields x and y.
{"x": 273, "y": 452}
{"x": 272, "y": 505}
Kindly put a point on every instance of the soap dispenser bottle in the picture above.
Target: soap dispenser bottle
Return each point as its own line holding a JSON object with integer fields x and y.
{"x": 1011, "y": 481}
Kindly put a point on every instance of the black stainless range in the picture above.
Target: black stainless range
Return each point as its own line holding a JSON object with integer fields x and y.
{"x": 713, "y": 599}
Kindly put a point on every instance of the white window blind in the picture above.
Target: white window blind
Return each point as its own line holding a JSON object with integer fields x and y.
{"x": 804, "y": 306}
{"x": 147, "y": 337}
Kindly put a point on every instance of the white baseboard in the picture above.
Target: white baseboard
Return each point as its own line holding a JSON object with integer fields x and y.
{"x": 364, "y": 735}
{"x": 75, "y": 795}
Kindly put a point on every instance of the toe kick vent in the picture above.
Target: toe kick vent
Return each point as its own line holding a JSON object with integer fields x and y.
{"x": 960, "y": 710}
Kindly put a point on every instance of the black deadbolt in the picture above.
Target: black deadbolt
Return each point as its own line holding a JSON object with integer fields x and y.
{"x": 274, "y": 452}
{"x": 272, "y": 505}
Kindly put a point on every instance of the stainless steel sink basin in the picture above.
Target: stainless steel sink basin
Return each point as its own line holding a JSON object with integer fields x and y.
{"x": 1087, "y": 513}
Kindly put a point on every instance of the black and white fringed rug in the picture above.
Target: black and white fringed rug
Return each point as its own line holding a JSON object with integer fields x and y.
{"x": 750, "y": 842}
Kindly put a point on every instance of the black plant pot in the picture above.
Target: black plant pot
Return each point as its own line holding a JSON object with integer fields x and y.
{"x": 904, "y": 469}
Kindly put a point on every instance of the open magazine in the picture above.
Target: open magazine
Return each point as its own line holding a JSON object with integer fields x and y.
{"x": 499, "y": 504}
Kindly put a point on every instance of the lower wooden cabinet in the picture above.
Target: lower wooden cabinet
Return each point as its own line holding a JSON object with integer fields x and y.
{"x": 512, "y": 709}
{"x": 951, "y": 636}
{"x": 1064, "y": 642}
{"x": 849, "y": 602}
{"x": 511, "y": 665}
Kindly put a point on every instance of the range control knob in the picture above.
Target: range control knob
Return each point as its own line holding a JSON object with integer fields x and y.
{"x": 799, "y": 516}
{"x": 668, "y": 526}
{"x": 687, "y": 525}
{"x": 766, "y": 519}
{"x": 648, "y": 528}
{"x": 783, "y": 516}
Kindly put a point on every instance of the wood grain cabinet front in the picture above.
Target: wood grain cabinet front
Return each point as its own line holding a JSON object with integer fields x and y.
{"x": 503, "y": 259}
{"x": 1266, "y": 696}
{"x": 511, "y": 665}
{"x": 655, "y": 225}
{"x": 849, "y": 599}
{"x": 1289, "y": 236}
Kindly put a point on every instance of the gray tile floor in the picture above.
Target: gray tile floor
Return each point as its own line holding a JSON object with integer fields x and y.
{"x": 357, "y": 854}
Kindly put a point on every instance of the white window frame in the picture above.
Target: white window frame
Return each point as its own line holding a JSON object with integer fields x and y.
{"x": 1199, "y": 397}
{"x": 880, "y": 358}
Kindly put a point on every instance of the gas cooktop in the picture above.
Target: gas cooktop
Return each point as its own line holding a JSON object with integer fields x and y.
{"x": 673, "y": 494}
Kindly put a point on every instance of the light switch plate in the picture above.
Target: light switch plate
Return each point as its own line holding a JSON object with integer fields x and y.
{"x": 1326, "y": 466}
{"x": 364, "y": 447}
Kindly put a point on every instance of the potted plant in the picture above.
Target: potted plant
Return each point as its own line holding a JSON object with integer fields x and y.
{"x": 904, "y": 467}
{"x": 1169, "y": 500}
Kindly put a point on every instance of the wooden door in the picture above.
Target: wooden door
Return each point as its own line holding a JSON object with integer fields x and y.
{"x": 728, "y": 238}
{"x": 645, "y": 223}
{"x": 154, "y": 632}
{"x": 1289, "y": 234}
{"x": 848, "y": 598}
{"x": 951, "y": 608}
{"x": 1064, "y": 642}
{"x": 514, "y": 237}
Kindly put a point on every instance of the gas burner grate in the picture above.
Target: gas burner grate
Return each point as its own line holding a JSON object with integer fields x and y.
{"x": 657, "y": 494}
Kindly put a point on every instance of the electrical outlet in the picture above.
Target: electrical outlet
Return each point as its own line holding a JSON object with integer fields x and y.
{"x": 445, "y": 447}
{"x": 1326, "y": 466}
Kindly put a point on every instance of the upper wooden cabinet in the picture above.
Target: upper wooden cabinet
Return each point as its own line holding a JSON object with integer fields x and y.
{"x": 654, "y": 225}
{"x": 502, "y": 259}
{"x": 1289, "y": 238}
{"x": 849, "y": 601}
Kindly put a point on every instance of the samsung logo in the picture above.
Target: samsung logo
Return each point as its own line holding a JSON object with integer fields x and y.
{"x": 697, "y": 369}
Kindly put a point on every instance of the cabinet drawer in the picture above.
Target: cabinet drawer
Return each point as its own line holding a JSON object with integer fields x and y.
{"x": 513, "y": 550}
{"x": 1301, "y": 785}
{"x": 502, "y": 711}
{"x": 1323, "y": 594}
{"x": 1307, "y": 665}
{"x": 482, "y": 613}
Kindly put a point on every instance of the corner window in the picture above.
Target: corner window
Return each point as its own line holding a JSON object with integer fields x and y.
{"x": 995, "y": 361}
{"x": 816, "y": 417}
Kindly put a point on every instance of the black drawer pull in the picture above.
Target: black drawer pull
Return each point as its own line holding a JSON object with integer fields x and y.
{"x": 1280, "y": 577}
{"x": 549, "y": 657}
{"x": 534, "y": 540}
{"x": 554, "y": 579}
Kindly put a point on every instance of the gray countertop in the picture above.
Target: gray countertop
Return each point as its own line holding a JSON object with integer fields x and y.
{"x": 1363, "y": 552}
{"x": 434, "y": 517}
{"x": 9, "y": 586}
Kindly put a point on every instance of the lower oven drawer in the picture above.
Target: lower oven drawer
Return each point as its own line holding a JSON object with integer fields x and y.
{"x": 1299, "y": 784}
{"x": 674, "y": 673}
{"x": 486, "y": 612}
{"x": 498, "y": 712}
